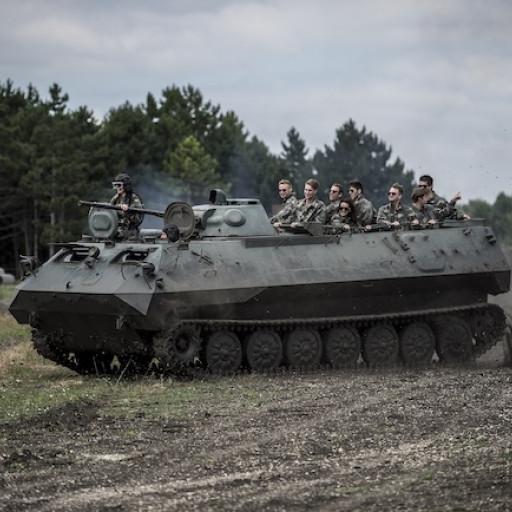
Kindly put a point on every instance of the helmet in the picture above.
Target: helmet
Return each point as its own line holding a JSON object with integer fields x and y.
{"x": 172, "y": 232}
{"x": 124, "y": 181}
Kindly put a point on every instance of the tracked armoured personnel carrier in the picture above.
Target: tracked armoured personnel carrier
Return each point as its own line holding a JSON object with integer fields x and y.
{"x": 230, "y": 292}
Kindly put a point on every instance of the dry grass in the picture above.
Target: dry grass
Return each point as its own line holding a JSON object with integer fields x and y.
{"x": 20, "y": 358}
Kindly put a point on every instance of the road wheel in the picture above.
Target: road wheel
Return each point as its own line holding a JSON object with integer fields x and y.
{"x": 454, "y": 340}
{"x": 303, "y": 348}
{"x": 342, "y": 346}
{"x": 264, "y": 350}
{"x": 380, "y": 345}
{"x": 223, "y": 353}
{"x": 178, "y": 350}
{"x": 417, "y": 344}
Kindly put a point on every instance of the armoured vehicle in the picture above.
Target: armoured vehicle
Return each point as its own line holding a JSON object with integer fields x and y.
{"x": 231, "y": 293}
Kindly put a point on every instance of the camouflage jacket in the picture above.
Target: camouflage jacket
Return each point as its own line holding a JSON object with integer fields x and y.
{"x": 331, "y": 209}
{"x": 312, "y": 213}
{"x": 425, "y": 214}
{"x": 444, "y": 209}
{"x": 338, "y": 221}
{"x": 387, "y": 214}
{"x": 128, "y": 221}
{"x": 284, "y": 214}
{"x": 365, "y": 211}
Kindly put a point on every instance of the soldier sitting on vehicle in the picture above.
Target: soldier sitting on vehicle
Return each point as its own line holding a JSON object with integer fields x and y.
{"x": 171, "y": 233}
{"x": 396, "y": 215}
{"x": 425, "y": 212}
{"x": 345, "y": 218}
{"x": 288, "y": 200}
{"x": 443, "y": 209}
{"x": 366, "y": 213}
{"x": 335, "y": 195}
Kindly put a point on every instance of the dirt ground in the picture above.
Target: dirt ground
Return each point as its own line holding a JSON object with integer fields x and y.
{"x": 436, "y": 439}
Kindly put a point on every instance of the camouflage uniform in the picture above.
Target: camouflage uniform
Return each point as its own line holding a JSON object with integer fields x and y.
{"x": 337, "y": 222}
{"x": 331, "y": 209}
{"x": 128, "y": 222}
{"x": 286, "y": 211}
{"x": 424, "y": 214}
{"x": 387, "y": 214}
{"x": 312, "y": 213}
{"x": 365, "y": 211}
{"x": 444, "y": 209}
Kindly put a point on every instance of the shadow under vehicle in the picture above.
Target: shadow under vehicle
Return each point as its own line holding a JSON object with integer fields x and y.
{"x": 232, "y": 293}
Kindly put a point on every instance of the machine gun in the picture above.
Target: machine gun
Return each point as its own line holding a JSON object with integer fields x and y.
{"x": 108, "y": 206}
{"x": 103, "y": 224}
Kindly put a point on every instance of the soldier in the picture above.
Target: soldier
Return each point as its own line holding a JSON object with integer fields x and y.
{"x": 395, "y": 214}
{"x": 288, "y": 201}
{"x": 345, "y": 218}
{"x": 171, "y": 233}
{"x": 125, "y": 197}
{"x": 309, "y": 209}
{"x": 425, "y": 212}
{"x": 443, "y": 208}
{"x": 366, "y": 214}
{"x": 335, "y": 194}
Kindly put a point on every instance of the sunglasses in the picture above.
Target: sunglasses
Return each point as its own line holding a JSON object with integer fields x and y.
{"x": 392, "y": 193}
{"x": 283, "y": 190}
{"x": 117, "y": 184}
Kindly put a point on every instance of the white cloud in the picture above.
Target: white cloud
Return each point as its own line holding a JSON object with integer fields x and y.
{"x": 432, "y": 79}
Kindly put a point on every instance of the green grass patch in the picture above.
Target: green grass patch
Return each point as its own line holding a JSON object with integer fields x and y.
{"x": 31, "y": 385}
{"x": 479, "y": 443}
{"x": 428, "y": 476}
{"x": 6, "y": 291}
{"x": 347, "y": 491}
{"x": 506, "y": 455}
{"x": 168, "y": 399}
{"x": 11, "y": 331}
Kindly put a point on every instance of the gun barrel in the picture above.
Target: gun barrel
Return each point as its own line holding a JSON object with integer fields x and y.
{"x": 108, "y": 206}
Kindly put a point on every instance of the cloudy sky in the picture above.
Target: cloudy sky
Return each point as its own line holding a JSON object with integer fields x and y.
{"x": 431, "y": 78}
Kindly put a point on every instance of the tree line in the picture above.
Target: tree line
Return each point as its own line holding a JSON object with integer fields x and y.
{"x": 175, "y": 147}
